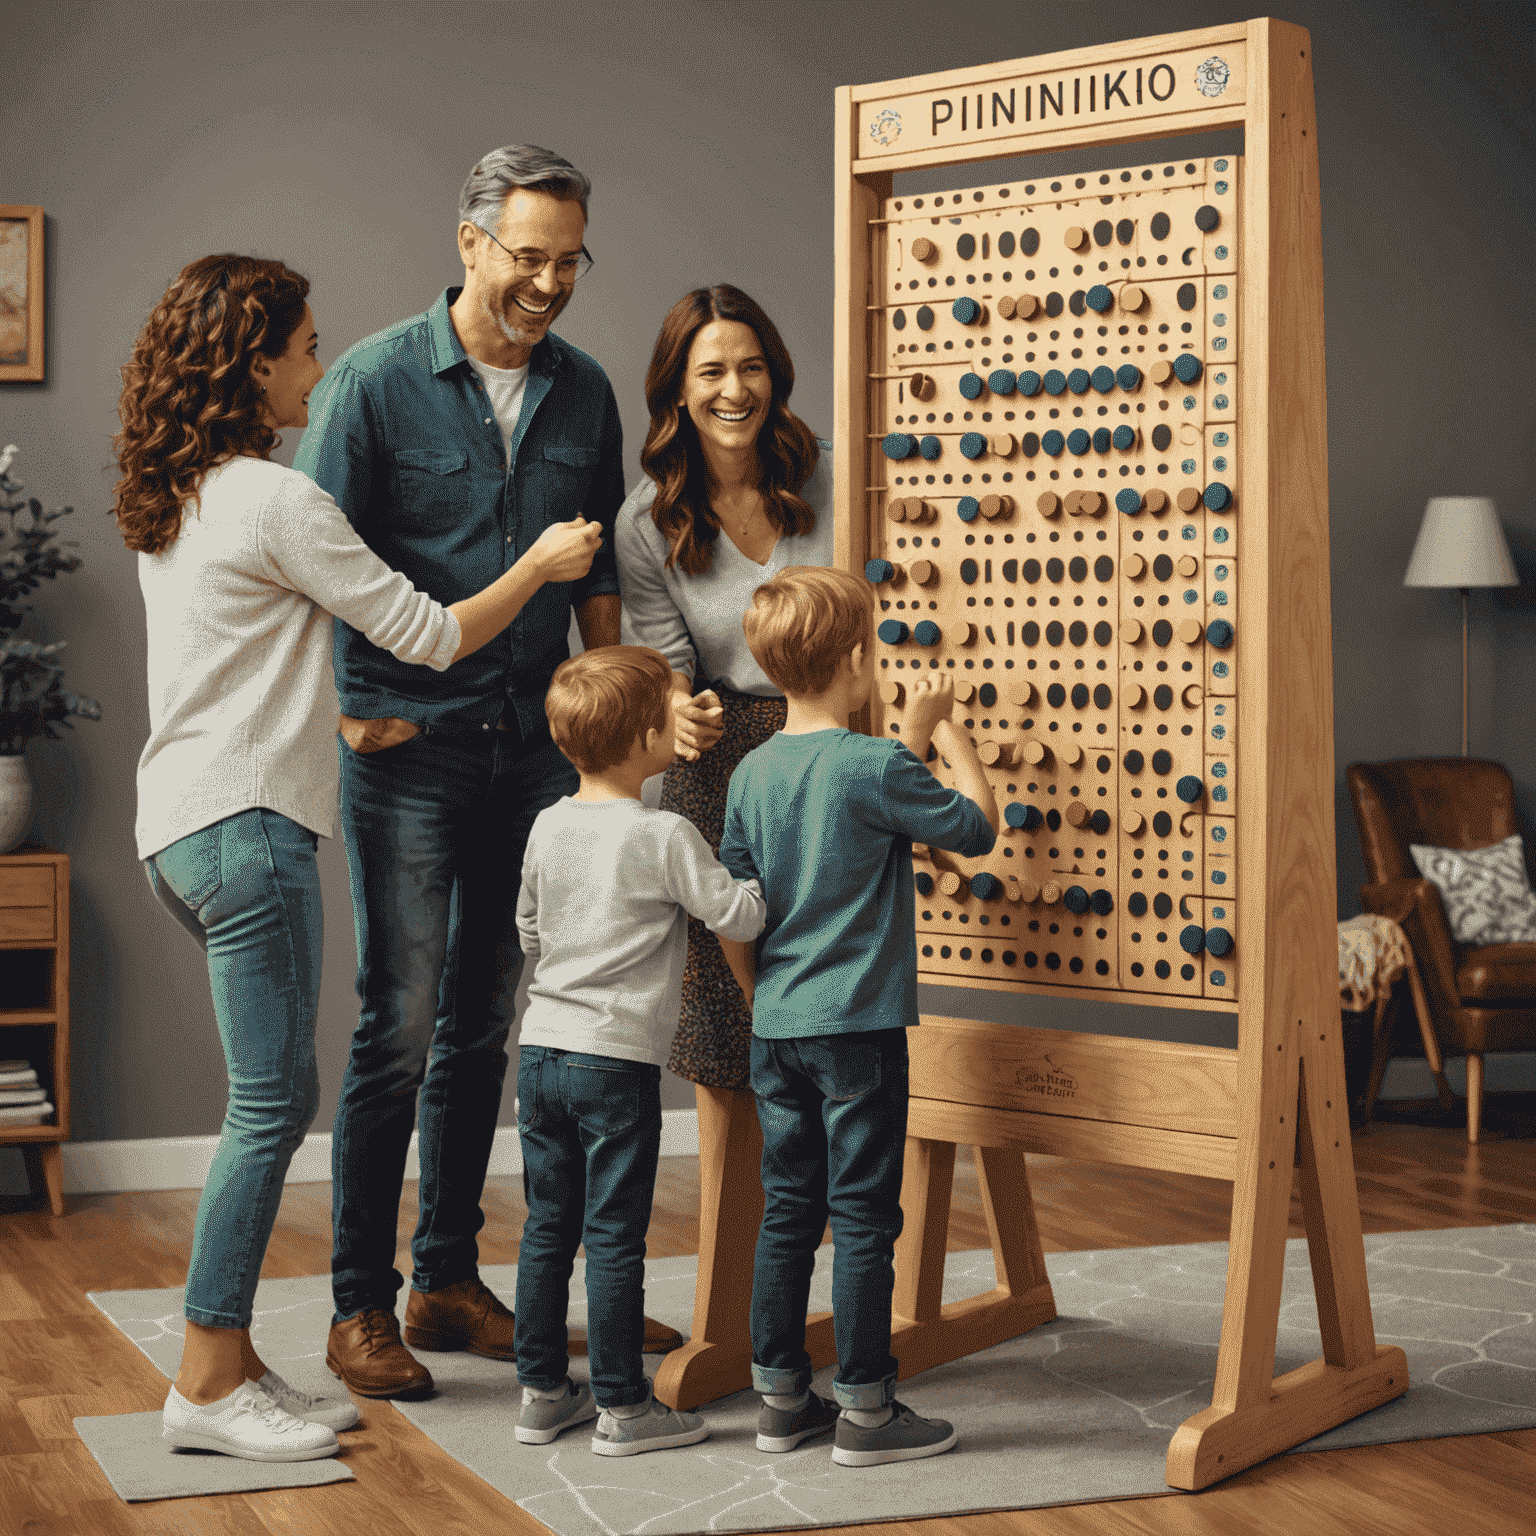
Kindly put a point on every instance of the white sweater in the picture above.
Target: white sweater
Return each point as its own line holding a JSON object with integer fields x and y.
{"x": 242, "y": 699}
{"x": 607, "y": 889}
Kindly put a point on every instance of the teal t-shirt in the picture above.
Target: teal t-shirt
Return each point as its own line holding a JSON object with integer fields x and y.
{"x": 825, "y": 823}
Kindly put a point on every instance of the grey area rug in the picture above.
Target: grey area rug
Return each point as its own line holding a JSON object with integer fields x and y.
{"x": 1080, "y": 1409}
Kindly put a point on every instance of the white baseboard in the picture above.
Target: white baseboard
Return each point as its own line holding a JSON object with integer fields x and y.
{"x": 182, "y": 1162}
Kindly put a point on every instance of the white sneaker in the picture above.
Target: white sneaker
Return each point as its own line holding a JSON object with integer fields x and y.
{"x": 335, "y": 1413}
{"x": 247, "y": 1424}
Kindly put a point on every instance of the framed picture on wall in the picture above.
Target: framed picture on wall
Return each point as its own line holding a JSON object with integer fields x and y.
{"x": 21, "y": 292}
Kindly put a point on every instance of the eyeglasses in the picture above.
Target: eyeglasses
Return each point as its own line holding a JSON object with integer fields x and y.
{"x": 531, "y": 263}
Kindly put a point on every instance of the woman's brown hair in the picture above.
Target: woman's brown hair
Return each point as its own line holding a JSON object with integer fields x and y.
{"x": 189, "y": 400}
{"x": 672, "y": 457}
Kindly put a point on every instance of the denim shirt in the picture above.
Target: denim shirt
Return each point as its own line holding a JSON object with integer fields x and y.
{"x": 402, "y": 436}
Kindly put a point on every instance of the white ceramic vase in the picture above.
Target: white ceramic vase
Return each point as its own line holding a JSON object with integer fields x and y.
{"x": 15, "y": 800}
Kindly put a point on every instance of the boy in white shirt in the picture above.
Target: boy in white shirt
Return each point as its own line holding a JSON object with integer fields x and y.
{"x": 607, "y": 884}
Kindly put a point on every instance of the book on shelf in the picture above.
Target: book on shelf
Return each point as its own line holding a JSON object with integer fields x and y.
{"x": 25, "y": 1114}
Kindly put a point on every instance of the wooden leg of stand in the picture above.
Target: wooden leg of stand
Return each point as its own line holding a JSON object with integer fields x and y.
{"x": 1016, "y": 1250}
{"x": 1474, "y": 1098}
{"x": 717, "y": 1359}
{"x": 44, "y": 1162}
{"x": 927, "y": 1182}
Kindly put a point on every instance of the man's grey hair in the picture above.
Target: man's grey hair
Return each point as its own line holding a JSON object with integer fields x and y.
{"x": 518, "y": 165}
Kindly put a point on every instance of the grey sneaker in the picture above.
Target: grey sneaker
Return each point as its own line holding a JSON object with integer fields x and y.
{"x": 654, "y": 1430}
{"x": 780, "y": 1430}
{"x": 903, "y": 1437}
{"x": 543, "y": 1418}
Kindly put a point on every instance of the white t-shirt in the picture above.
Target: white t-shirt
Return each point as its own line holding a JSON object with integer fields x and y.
{"x": 504, "y": 389}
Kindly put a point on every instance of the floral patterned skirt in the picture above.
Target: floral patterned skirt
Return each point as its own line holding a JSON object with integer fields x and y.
{"x": 714, "y": 1034}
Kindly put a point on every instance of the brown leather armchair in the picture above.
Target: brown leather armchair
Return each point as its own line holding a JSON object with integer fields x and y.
{"x": 1481, "y": 997}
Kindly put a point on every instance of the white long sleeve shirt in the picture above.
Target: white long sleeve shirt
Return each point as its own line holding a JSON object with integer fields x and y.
{"x": 242, "y": 699}
{"x": 603, "y": 911}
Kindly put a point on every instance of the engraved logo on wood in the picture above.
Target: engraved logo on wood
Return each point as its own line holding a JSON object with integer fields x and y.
{"x": 1049, "y": 1082}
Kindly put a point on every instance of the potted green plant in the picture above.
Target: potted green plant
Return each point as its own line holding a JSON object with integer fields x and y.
{"x": 33, "y": 699}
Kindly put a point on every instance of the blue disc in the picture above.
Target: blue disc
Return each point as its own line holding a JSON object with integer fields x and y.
{"x": 969, "y": 509}
{"x": 1099, "y": 298}
{"x": 1217, "y": 497}
{"x": 924, "y": 319}
{"x": 930, "y": 447}
{"x": 878, "y": 570}
{"x": 924, "y": 883}
{"x": 1186, "y": 367}
{"x": 1189, "y": 789}
{"x": 973, "y": 445}
{"x": 1014, "y": 813}
{"x": 1029, "y": 382}
{"x": 1078, "y": 381}
{"x": 1129, "y": 376}
{"x": 1102, "y": 902}
{"x": 1129, "y": 501}
{"x": 1078, "y": 441}
{"x": 1075, "y": 899}
{"x": 965, "y": 310}
{"x": 971, "y": 385}
{"x": 1103, "y": 379}
{"x": 1055, "y": 381}
{"x": 926, "y": 633}
{"x": 1124, "y": 437}
{"x": 1218, "y": 941}
{"x": 986, "y": 887}
{"x": 1002, "y": 381}
{"x": 892, "y": 631}
{"x": 898, "y": 445}
{"x": 1219, "y": 633}
{"x": 1053, "y": 442}
{"x": 1101, "y": 439}
{"x": 1192, "y": 939}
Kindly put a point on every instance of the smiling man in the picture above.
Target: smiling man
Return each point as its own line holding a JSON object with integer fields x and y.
{"x": 452, "y": 441}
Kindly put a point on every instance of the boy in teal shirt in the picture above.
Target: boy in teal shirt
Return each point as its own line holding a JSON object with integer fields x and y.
{"x": 824, "y": 819}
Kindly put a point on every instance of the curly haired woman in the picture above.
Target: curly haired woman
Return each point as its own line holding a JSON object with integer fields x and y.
{"x": 242, "y": 563}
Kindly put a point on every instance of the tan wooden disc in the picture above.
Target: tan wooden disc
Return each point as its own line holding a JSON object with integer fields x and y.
{"x": 1003, "y": 445}
{"x": 1133, "y": 822}
{"x": 1194, "y": 695}
{"x": 1188, "y": 499}
{"x": 952, "y": 884}
{"x": 1027, "y": 889}
{"x": 896, "y": 509}
{"x": 1035, "y": 752}
{"x": 1156, "y": 502}
{"x": 1048, "y": 504}
{"x": 1094, "y": 504}
{"x": 996, "y": 754}
{"x": 964, "y": 633}
{"x": 891, "y": 692}
{"x": 1019, "y": 690}
{"x": 922, "y": 572}
{"x": 1187, "y": 565}
{"x": 1130, "y": 630}
{"x": 1076, "y": 814}
{"x": 1134, "y": 566}
{"x": 1133, "y": 694}
{"x": 1071, "y": 754}
{"x": 1190, "y": 631}
{"x": 921, "y": 386}
{"x": 1076, "y": 237}
{"x": 1132, "y": 298}
{"x": 924, "y": 249}
{"x": 964, "y": 692}
{"x": 1024, "y": 305}
{"x": 1006, "y": 307}
{"x": 1050, "y": 893}
{"x": 1161, "y": 371}
{"x": 994, "y": 506}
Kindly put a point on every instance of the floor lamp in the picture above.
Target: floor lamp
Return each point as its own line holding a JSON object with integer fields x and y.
{"x": 1461, "y": 545}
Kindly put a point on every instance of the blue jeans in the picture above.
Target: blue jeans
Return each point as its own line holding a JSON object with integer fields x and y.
{"x": 833, "y": 1109}
{"x": 435, "y": 830}
{"x": 248, "y": 891}
{"x": 591, "y": 1134}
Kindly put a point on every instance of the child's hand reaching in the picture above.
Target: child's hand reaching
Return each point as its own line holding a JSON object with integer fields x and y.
{"x": 929, "y": 702}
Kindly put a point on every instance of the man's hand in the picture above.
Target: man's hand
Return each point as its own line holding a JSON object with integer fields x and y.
{"x": 700, "y": 723}
{"x": 365, "y": 736}
{"x": 929, "y": 701}
{"x": 564, "y": 551}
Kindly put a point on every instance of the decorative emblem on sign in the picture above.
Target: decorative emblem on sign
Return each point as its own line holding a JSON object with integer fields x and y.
{"x": 1211, "y": 77}
{"x": 886, "y": 128}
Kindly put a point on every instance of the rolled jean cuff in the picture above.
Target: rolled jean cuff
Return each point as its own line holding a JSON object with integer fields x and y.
{"x": 783, "y": 1383}
{"x": 863, "y": 1398}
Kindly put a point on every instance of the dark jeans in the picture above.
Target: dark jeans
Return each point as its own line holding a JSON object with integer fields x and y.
{"x": 833, "y": 1109}
{"x": 591, "y": 1134}
{"x": 248, "y": 891}
{"x": 435, "y": 830}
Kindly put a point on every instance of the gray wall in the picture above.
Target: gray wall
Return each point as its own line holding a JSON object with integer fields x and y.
{"x": 336, "y": 137}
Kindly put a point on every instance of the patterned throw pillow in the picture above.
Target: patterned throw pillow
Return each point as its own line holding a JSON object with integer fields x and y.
{"x": 1487, "y": 892}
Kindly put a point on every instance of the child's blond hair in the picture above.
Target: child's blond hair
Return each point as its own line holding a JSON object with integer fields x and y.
{"x": 602, "y": 700}
{"x": 803, "y": 622}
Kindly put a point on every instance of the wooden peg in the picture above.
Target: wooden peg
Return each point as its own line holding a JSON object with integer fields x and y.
{"x": 1006, "y": 307}
{"x": 1076, "y": 237}
{"x": 1187, "y": 565}
{"x": 1035, "y": 752}
{"x": 1161, "y": 371}
{"x": 997, "y": 754}
{"x": 1050, "y": 893}
{"x": 996, "y": 506}
{"x": 923, "y": 249}
{"x": 1134, "y": 566}
{"x": 896, "y": 509}
{"x": 891, "y": 692}
{"x": 1071, "y": 755}
{"x": 1156, "y": 502}
{"x": 1131, "y": 631}
{"x": 1133, "y": 822}
{"x": 952, "y": 884}
{"x": 921, "y": 386}
{"x": 1094, "y": 504}
{"x": 963, "y": 633}
{"x": 1028, "y": 890}
{"x": 964, "y": 692}
{"x": 1075, "y": 814}
{"x": 1048, "y": 504}
{"x": 923, "y": 572}
{"x": 1003, "y": 445}
{"x": 1132, "y": 298}
{"x": 1188, "y": 499}
{"x": 1072, "y": 503}
{"x": 1019, "y": 691}
{"x": 1133, "y": 694}
{"x": 1194, "y": 695}
{"x": 1190, "y": 631}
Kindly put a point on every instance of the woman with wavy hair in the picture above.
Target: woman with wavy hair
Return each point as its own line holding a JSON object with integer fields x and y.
{"x": 242, "y": 563}
{"x": 737, "y": 487}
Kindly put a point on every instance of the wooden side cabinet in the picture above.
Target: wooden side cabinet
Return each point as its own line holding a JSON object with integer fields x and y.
{"x": 34, "y": 1000}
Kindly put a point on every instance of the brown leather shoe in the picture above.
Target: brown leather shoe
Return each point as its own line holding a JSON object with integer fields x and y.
{"x": 466, "y": 1315}
{"x": 366, "y": 1352}
{"x": 659, "y": 1339}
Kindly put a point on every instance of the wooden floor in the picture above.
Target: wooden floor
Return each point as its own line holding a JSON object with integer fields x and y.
{"x": 59, "y": 1358}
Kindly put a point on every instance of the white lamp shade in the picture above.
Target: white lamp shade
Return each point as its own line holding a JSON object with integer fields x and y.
{"x": 1461, "y": 545}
